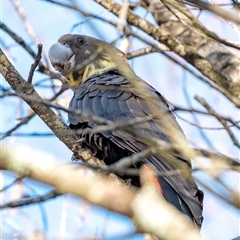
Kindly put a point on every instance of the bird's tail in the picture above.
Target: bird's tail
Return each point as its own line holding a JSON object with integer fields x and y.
{"x": 171, "y": 195}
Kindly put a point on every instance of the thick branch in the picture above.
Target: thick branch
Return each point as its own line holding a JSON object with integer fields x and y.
{"x": 216, "y": 53}
{"x": 31, "y": 97}
{"x": 103, "y": 192}
{"x": 162, "y": 35}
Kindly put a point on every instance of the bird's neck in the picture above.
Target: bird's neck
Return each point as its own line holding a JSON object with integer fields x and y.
{"x": 98, "y": 69}
{"x": 92, "y": 69}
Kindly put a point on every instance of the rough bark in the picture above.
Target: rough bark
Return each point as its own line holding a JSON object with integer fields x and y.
{"x": 26, "y": 91}
{"x": 210, "y": 65}
{"x": 217, "y": 54}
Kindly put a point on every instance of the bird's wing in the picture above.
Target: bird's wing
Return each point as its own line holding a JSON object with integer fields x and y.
{"x": 120, "y": 105}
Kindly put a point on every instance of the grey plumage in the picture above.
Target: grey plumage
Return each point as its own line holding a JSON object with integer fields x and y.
{"x": 102, "y": 82}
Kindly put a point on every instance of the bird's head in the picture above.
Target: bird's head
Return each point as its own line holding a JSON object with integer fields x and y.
{"x": 78, "y": 57}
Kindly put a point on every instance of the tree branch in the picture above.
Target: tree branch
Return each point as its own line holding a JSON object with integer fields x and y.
{"x": 35, "y": 64}
{"x": 31, "y": 97}
{"x": 216, "y": 53}
{"x": 32, "y": 200}
{"x": 162, "y": 35}
{"x": 158, "y": 218}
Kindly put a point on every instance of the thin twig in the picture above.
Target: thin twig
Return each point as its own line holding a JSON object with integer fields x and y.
{"x": 42, "y": 68}
{"x": 206, "y": 128}
{"x": 17, "y": 39}
{"x": 30, "y": 30}
{"x": 221, "y": 120}
{"x": 193, "y": 110}
{"x": 35, "y": 64}
{"x": 29, "y": 117}
{"x": 216, "y": 10}
{"x": 11, "y": 184}
{"x": 28, "y": 201}
{"x": 196, "y": 25}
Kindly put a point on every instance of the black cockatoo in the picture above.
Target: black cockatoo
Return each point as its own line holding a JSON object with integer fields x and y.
{"x": 100, "y": 77}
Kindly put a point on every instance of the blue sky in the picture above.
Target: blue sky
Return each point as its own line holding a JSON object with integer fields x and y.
{"x": 49, "y": 23}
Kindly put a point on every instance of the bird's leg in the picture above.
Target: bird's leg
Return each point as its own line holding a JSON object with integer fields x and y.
{"x": 91, "y": 140}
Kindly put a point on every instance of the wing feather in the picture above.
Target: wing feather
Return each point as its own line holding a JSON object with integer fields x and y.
{"x": 120, "y": 106}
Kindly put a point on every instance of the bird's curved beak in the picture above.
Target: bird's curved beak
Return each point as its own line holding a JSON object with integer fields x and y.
{"x": 61, "y": 57}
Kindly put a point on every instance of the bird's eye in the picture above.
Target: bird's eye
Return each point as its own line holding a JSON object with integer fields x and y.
{"x": 80, "y": 40}
{"x": 63, "y": 43}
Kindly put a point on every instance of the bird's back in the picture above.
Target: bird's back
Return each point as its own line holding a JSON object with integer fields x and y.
{"x": 112, "y": 97}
